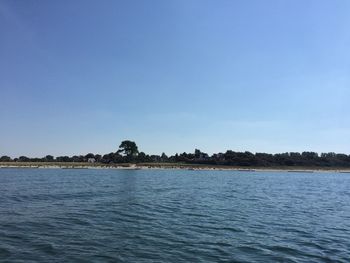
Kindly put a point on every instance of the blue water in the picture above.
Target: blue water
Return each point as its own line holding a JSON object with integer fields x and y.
{"x": 62, "y": 215}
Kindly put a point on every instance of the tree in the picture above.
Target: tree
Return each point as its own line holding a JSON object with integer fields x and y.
{"x": 5, "y": 159}
{"x": 49, "y": 158}
{"x": 164, "y": 157}
{"x": 89, "y": 155}
{"x": 197, "y": 153}
{"x": 23, "y": 159}
{"x": 128, "y": 148}
{"x": 63, "y": 159}
{"x": 309, "y": 155}
{"x": 107, "y": 158}
{"x": 142, "y": 157}
{"x": 98, "y": 157}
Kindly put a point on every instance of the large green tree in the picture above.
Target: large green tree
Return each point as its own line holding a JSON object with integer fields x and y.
{"x": 128, "y": 148}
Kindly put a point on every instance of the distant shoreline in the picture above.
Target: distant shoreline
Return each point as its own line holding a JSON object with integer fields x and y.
{"x": 174, "y": 166}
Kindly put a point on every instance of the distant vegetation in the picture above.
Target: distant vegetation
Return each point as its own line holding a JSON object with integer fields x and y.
{"x": 128, "y": 153}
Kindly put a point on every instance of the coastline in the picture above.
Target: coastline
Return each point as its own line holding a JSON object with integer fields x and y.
{"x": 172, "y": 166}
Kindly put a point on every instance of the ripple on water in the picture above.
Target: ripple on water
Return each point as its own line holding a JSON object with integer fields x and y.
{"x": 173, "y": 216}
{"x": 46, "y": 248}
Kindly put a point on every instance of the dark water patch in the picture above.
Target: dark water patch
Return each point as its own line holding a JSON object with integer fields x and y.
{"x": 4, "y": 253}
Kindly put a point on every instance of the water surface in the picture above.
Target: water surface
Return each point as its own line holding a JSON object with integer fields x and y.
{"x": 63, "y": 215}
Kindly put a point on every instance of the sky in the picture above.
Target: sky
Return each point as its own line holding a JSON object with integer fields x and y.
{"x": 262, "y": 76}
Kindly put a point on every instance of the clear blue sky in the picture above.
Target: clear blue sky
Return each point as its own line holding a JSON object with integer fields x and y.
{"x": 264, "y": 76}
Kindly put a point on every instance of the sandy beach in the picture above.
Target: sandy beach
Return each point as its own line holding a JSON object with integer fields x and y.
{"x": 42, "y": 165}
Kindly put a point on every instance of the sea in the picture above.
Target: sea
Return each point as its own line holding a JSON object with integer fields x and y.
{"x": 150, "y": 215}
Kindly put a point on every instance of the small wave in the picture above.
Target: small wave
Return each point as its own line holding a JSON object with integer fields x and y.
{"x": 46, "y": 248}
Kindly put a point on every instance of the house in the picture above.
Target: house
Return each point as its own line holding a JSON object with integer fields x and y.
{"x": 91, "y": 160}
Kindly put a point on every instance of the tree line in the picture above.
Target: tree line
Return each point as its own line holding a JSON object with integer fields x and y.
{"x": 128, "y": 153}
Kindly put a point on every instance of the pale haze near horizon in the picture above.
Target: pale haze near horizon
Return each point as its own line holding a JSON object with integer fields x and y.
{"x": 261, "y": 76}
